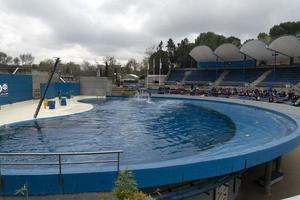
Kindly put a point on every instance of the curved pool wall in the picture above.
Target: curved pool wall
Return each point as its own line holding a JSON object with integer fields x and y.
{"x": 161, "y": 173}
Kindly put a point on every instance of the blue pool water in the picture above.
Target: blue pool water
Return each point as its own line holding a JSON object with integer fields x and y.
{"x": 149, "y": 132}
{"x": 146, "y": 132}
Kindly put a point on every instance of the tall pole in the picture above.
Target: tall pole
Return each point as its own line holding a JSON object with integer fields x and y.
{"x": 244, "y": 65}
{"x": 153, "y": 66}
{"x": 45, "y": 92}
{"x": 160, "y": 66}
{"x": 147, "y": 73}
{"x": 275, "y": 62}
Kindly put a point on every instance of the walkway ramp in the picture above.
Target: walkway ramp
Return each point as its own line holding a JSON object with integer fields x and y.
{"x": 261, "y": 78}
{"x": 221, "y": 78}
{"x": 186, "y": 75}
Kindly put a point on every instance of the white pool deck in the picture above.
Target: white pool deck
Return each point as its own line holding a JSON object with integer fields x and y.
{"x": 288, "y": 187}
{"x": 25, "y": 110}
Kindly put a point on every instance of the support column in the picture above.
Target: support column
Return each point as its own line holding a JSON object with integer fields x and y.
{"x": 279, "y": 164}
{"x": 268, "y": 177}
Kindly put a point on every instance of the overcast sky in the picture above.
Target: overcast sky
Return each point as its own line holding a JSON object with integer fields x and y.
{"x": 90, "y": 29}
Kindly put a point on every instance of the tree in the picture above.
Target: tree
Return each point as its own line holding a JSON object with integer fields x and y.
{"x": 277, "y": 31}
{"x": 291, "y": 28}
{"x": 16, "y": 60}
{"x": 26, "y": 59}
{"x": 214, "y": 40}
{"x": 264, "y": 37}
{"x": 73, "y": 68}
{"x": 210, "y": 39}
{"x": 183, "y": 59}
{"x": 46, "y": 65}
{"x": 86, "y": 66}
{"x": 159, "y": 58}
{"x": 143, "y": 68}
{"x": 171, "y": 50}
{"x": 234, "y": 40}
{"x": 131, "y": 66}
{"x": 109, "y": 62}
{"x": 8, "y": 60}
{"x": 126, "y": 187}
{"x": 160, "y": 46}
{"x": 149, "y": 51}
{"x": 3, "y": 57}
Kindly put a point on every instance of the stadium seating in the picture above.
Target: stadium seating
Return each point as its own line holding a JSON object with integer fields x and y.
{"x": 176, "y": 75}
{"x": 237, "y": 77}
{"x": 201, "y": 76}
{"x": 282, "y": 76}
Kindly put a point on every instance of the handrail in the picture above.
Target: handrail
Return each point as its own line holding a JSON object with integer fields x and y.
{"x": 60, "y": 153}
{"x": 60, "y": 163}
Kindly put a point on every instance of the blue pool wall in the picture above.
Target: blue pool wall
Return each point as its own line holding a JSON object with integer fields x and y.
{"x": 19, "y": 88}
{"x": 64, "y": 88}
{"x": 153, "y": 174}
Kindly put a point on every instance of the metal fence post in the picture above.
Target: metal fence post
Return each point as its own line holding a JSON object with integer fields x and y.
{"x": 118, "y": 168}
{"x": 59, "y": 163}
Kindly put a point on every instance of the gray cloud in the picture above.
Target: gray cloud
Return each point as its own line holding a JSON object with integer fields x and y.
{"x": 78, "y": 29}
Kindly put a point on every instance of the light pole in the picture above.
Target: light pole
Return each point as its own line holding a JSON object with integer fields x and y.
{"x": 159, "y": 79}
{"x": 147, "y": 73}
{"x": 275, "y": 54}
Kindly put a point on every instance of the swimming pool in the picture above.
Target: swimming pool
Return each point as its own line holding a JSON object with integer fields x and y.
{"x": 165, "y": 141}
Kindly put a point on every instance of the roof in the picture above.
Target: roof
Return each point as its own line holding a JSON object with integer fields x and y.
{"x": 288, "y": 45}
{"x": 203, "y": 54}
{"x": 258, "y": 50}
{"x": 229, "y": 52}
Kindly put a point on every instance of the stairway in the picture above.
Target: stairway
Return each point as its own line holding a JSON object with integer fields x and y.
{"x": 221, "y": 78}
{"x": 186, "y": 75}
{"x": 261, "y": 78}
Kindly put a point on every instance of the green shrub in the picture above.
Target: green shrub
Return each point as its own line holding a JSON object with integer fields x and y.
{"x": 126, "y": 187}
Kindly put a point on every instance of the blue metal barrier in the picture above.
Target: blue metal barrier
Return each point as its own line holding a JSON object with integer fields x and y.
{"x": 15, "y": 88}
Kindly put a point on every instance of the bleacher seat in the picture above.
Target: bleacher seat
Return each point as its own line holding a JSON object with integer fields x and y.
{"x": 237, "y": 77}
{"x": 201, "y": 76}
{"x": 176, "y": 75}
{"x": 282, "y": 76}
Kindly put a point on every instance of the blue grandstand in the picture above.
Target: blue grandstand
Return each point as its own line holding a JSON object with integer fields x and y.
{"x": 176, "y": 76}
{"x": 282, "y": 76}
{"x": 242, "y": 76}
{"x": 255, "y": 63}
{"x": 202, "y": 76}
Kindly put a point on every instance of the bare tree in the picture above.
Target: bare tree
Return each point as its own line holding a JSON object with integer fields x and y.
{"x": 8, "y": 60}
{"x": 26, "y": 59}
{"x": 3, "y": 57}
{"x": 86, "y": 66}
{"x": 16, "y": 60}
{"x": 109, "y": 62}
{"x": 150, "y": 51}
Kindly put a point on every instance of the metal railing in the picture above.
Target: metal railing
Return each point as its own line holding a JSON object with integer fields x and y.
{"x": 60, "y": 162}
